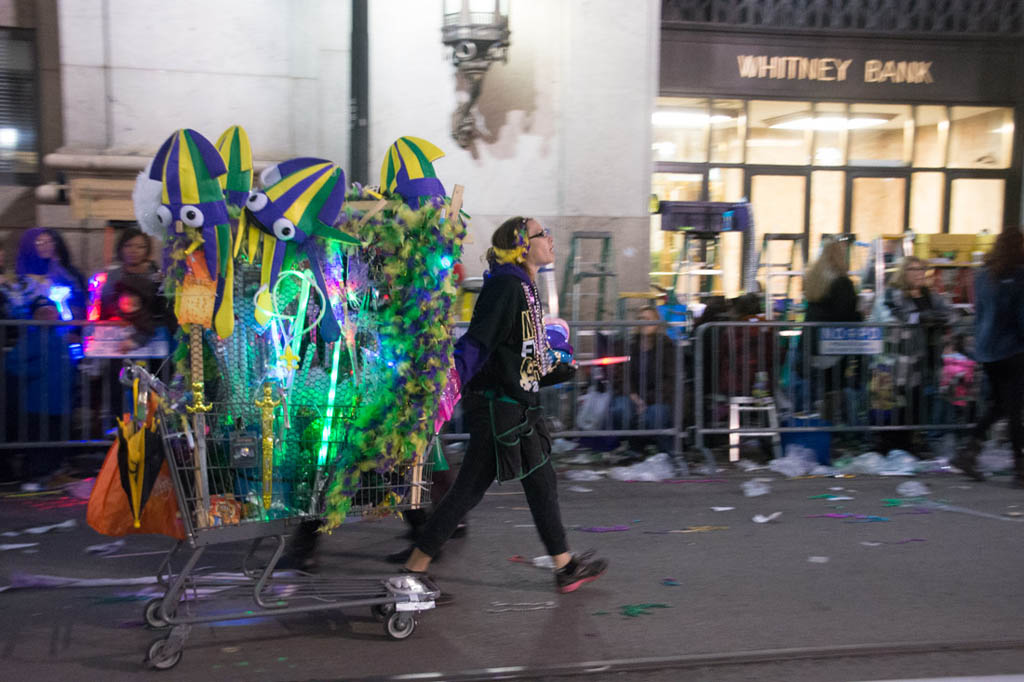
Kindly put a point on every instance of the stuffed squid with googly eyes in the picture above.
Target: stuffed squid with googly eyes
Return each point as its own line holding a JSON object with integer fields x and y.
{"x": 299, "y": 205}
{"x": 189, "y": 213}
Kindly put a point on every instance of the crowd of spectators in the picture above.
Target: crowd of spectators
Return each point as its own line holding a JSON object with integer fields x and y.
{"x": 43, "y": 306}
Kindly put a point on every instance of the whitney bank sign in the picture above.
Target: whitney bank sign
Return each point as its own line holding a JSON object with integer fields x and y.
{"x": 832, "y": 69}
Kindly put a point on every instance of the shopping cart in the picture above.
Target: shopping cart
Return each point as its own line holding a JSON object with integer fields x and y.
{"x": 254, "y": 472}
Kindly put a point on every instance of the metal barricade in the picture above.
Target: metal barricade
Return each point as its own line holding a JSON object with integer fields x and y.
{"x": 782, "y": 379}
{"x": 625, "y": 392}
{"x": 53, "y": 397}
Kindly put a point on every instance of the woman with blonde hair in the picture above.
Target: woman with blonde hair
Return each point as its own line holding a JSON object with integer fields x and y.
{"x": 927, "y": 317}
{"x": 829, "y": 289}
{"x": 830, "y": 298}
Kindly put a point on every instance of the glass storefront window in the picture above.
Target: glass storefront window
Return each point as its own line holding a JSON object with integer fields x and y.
{"x": 725, "y": 184}
{"x": 670, "y": 187}
{"x": 876, "y": 210}
{"x": 680, "y": 129}
{"x": 926, "y": 201}
{"x": 677, "y": 186}
{"x": 779, "y": 132}
{"x": 778, "y": 202}
{"x": 829, "y": 140}
{"x": 827, "y": 190}
{"x": 931, "y": 132}
{"x": 718, "y": 144}
{"x": 728, "y": 127}
{"x": 976, "y": 205}
{"x": 980, "y": 137}
{"x": 880, "y": 134}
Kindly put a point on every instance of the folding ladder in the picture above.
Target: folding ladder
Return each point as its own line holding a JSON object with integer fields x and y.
{"x": 579, "y": 271}
{"x": 772, "y": 271}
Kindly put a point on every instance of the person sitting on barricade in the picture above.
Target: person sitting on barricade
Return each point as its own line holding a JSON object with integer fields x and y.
{"x": 919, "y": 344}
{"x": 645, "y": 386}
{"x": 831, "y": 297}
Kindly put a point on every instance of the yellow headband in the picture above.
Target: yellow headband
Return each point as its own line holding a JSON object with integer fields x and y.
{"x": 504, "y": 256}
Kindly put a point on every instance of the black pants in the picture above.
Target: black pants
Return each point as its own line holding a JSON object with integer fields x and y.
{"x": 478, "y": 471}
{"x": 1006, "y": 380}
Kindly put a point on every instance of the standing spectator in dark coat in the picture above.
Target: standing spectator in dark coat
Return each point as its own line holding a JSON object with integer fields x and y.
{"x": 831, "y": 297}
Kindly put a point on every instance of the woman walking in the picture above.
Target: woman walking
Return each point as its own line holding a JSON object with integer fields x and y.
{"x": 502, "y": 361}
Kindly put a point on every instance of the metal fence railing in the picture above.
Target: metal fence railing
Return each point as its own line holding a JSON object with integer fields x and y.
{"x": 632, "y": 388}
{"x": 785, "y": 381}
{"x": 640, "y": 384}
{"x": 53, "y": 396}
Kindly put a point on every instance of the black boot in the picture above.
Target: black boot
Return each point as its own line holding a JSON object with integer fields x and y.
{"x": 301, "y": 553}
{"x": 966, "y": 460}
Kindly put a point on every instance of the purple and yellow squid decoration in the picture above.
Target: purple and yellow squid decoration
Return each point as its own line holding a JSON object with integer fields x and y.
{"x": 408, "y": 171}
{"x": 234, "y": 148}
{"x": 301, "y": 201}
{"x": 192, "y": 206}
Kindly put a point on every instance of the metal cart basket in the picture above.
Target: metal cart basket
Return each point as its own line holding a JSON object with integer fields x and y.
{"x": 253, "y": 473}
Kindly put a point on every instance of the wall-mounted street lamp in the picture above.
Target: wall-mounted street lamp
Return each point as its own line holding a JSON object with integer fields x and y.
{"x": 477, "y": 31}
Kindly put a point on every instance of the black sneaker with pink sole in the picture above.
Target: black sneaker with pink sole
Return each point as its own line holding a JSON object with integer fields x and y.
{"x": 580, "y": 570}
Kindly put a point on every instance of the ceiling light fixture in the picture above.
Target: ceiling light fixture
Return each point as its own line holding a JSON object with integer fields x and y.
{"x": 680, "y": 118}
{"x": 805, "y": 120}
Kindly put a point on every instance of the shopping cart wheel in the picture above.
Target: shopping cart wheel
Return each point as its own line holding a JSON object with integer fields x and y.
{"x": 159, "y": 657}
{"x": 151, "y": 614}
{"x": 400, "y": 625}
{"x": 381, "y": 612}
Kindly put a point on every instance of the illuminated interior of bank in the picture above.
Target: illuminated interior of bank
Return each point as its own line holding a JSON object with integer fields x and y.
{"x": 821, "y": 168}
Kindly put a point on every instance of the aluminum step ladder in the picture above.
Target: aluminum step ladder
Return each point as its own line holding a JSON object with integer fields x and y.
{"x": 580, "y": 272}
{"x": 772, "y": 271}
{"x": 764, "y": 407}
{"x": 692, "y": 269}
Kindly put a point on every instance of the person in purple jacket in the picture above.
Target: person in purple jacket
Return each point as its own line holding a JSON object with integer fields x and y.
{"x": 999, "y": 346}
{"x": 502, "y": 361}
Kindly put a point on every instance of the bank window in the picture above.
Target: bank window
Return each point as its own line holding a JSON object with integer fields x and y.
{"x": 931, "y": 134}
{"x": 779, "y": 132}
{"x": 976, "y": 205}
{"x": 926, "y": 200}
{"x": 829, "y": 134}
{"x": 680, "y": 129}
{"x": 728, "y": 119}
{"x": 827, "y": 190}
{"x": 880, "y": 134}
{"x": 677, "y": 186}
{"x": 725, "y": 184}
{"x": 980, "y": 137}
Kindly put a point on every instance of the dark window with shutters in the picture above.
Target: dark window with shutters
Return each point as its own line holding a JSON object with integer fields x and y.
{"x": 999, "y": 17}
{"x": 19, "y": 119}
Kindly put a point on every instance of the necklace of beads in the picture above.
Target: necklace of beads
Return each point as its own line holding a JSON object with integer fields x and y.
{"x": 540, "y": 337}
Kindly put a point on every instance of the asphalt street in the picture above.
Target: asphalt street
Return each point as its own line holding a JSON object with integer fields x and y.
{"x": 871, "y": 587}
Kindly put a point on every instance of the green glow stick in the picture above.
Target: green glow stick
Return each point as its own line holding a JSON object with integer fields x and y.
{"x": 325, "y": 437}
